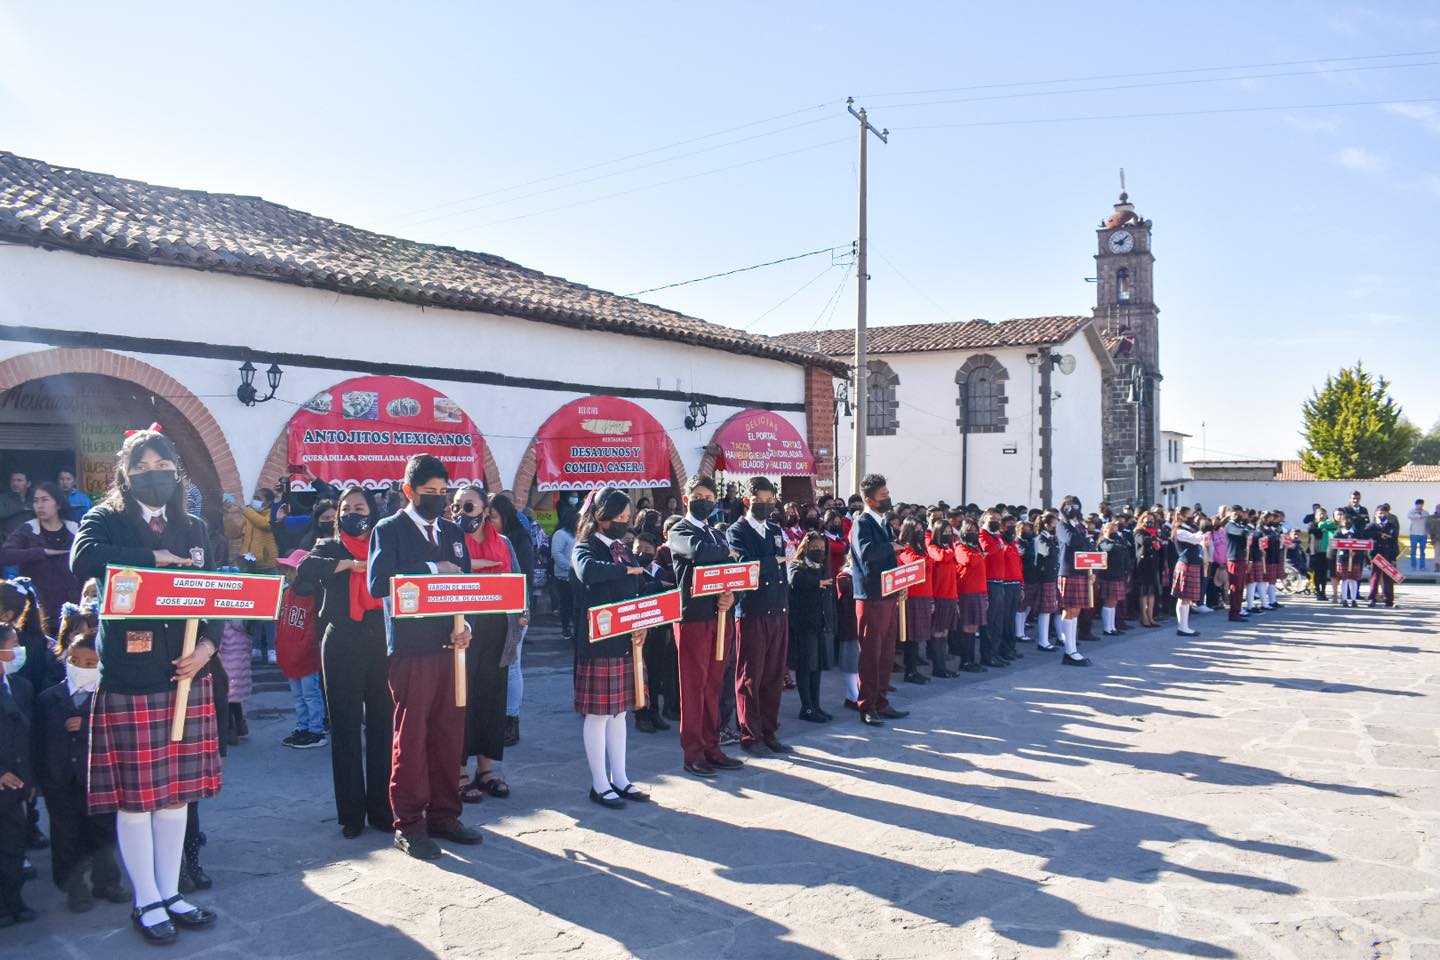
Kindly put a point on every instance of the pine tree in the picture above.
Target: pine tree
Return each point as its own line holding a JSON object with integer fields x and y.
{"x": 1354, "y": 429}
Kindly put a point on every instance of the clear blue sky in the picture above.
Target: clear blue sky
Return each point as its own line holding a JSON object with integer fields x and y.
{"x": 1289, "y": 242}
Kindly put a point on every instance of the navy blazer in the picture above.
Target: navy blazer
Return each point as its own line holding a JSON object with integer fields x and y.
{"x": 872, "y": 551}
{"x": 772, "y": 597}
{"x": 397, "y": 546}
{"x": 692, "y": 544}
{"x": 16, "y": 739}
{"x": 61, "y": 756}
{"x": 595, "y": 580}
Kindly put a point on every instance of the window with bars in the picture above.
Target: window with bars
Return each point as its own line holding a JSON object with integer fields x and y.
{"x": 982, "y": 395}
{"x": 882, "y": 416}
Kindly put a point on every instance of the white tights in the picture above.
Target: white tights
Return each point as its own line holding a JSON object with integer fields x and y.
{"x": 605, "y": 751}
{"x": 152, "y": 846}
{"x": 1042, "y": 628}
{"x": 1020, "y": 622}
{"x": 1107, "y": 619}
{"x": 1182, "y": 613}
{"x": 1069, "y": 627}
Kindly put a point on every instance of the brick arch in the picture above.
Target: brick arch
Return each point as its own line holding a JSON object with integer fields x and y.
{"x": 525, "y": 473}
{"x": 84, "y": 360}
{"x": 278, "y": 459}
{"x": 988, "y": 415}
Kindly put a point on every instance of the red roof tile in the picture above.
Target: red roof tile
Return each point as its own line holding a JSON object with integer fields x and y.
{"x": 925, "y": 337}
{"x": 1410, "y": 473}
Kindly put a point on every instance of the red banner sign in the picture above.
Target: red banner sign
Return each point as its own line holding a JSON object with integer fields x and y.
{"x": 760, "y": 442}
{"x": 720, "y": 577}
{"x": 627, "y": 616}
{"x": 1352, "y": 543}
{"x": 893, "y": 581}
{"x": 1091, "y": 560}
{"x": 1387, "y": 568}
{"x": 601, "y": 441}
{"x": 363, "y": 430}
{"x": 146, "y": 593}
{"x": 443, "y": 595}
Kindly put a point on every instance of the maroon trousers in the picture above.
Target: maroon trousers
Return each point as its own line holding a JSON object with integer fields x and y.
{"x": 878, "y": 627}
{"x": 1382, "y": 588}
{"x": 701, "y": 676}
{"x": 428, "y": 743}
{"x": 762, "y": 651}
{"x": 1238, "y": 576}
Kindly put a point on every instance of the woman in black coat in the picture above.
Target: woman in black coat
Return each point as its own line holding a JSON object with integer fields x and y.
{"x": 353, "y": 658}
{"x": 812, "y": 621}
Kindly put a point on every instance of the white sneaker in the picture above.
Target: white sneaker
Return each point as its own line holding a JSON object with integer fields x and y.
{"x": 271, "y": 656}
{"x": 1204, "y": 609}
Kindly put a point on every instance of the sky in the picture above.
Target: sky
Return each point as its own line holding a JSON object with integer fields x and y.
{"x": 1288, "y": 154}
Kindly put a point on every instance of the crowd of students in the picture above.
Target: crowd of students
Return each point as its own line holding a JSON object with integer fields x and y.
{"x": 85, "y": 718}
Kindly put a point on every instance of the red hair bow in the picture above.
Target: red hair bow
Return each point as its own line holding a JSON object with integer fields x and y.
{"x": 154, "y": 427}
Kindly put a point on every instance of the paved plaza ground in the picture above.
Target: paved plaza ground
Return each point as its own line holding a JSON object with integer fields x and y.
{"x": 1266, "y": 790}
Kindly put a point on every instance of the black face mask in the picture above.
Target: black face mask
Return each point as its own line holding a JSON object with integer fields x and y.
{"x": 1008, "y": 535}
{"x": 835, "y": 528}
{"x": 884, "y": 506}
{"x": 326, "y": 528}
{"x": 154, "y": 488}
{"x": 355, "y": 524}
{"x": 617, "y": 529}
{"x": 815, "y": 556}
{"x": 812, "y": 523}
{"x": 701, "y": 509}
{"x": 644, "y": 556}
{"x": 993, "y": 526}
{"x": 470, "y": 522}
{"x": 431, "y": 506}
{"x": 762, "y": 511}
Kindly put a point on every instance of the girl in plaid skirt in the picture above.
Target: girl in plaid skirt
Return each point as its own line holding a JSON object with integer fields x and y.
{"x": 603, "y": 571}
{"x": 1189, "y": 582}
{"x": 134, "y": 768}
{"x": 1074, "y": 585}
{"x": 1110, "y": 581}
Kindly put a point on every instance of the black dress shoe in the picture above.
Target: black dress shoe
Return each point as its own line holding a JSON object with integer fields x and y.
{"x": 701, "y": 769}
{"x": 658, "y": 721}
{"x": 1014, "y": 654}
{"x": 870, "y": 719}
{"x": 916, "y": 677}
{"x": 35, "y": 840}
{"x": 972, "y": 668}
{"x": 643, "y": 723}
{"x": 418, "y": 846}
{"x": 1075, "y": 661}
{"x": 196, "y": 918}
{"x": 198, "y": 876}
{"x": 753, "y": 747}
{"x": 457, "y": 832}
{"x": 775, "y": 746}
{"x": 24, "y": 914}
{"x": 811, "y": 716}
{"x": 824, "y": 717}
{"x": 610, "y": 798}
{"x": 992, "y": 663}
{"x": 352, "y": 830}
{"x": 632, "y": 793}
{"x": 721, "y": 762}
{"x": 890, "y": 713}
{"x": 162, "y": 932}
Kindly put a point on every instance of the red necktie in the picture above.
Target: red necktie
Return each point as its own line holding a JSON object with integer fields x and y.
{"x": 430, "y": 534}
{"x": 157, "y": 524}
{"x": 619, "y": 554}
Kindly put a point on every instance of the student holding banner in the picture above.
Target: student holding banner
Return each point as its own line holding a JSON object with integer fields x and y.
{"x": 762, "y": 622}
{"x": 604, "y": 571}
{"x": 135, "y": 769}
{"x": 1384, "y": 533}
{"x": 429, "y": 727}
{"x": 877, "y": 616}
{"x": 1349, "y": 556}
{"x": 692, "y": 543}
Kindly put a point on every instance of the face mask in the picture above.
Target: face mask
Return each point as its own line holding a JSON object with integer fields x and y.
{"x": 993, "y": 526}
{"x": 617, "y": 529}
{"x": 884, "y": 506}
{"x": 644, "y": 556}
{"x": 762, "y": 511}
{"x": 431, "y": 506}
{"x": 326, "y": 528}
{"x": 1008, "y": 536}
{"x": 258, "y": 504}
{"x": 154, "y": 488}
{"x": 355, "y": 524}
{"x": 469, "y": 523}
{"x": 13, "y": 667}
{"x": 82, "y": 678}
{"x": 812, "y": 523}
{"x": 701, "y": 509}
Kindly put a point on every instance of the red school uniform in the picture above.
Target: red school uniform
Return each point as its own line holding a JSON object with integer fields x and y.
{"x": 297, "y": 648}
{"x": 994, "y": 552}
{"x": 970, "y": 571}
{"x": 943, "y": 575}
{"x": 1012, "y": 565}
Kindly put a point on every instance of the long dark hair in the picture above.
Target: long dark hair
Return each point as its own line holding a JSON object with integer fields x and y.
{"x": 62, "y": 502}
{"x": 510, "y": 524}
{"x": 119, "y": 498}
{"x": 601, "y": 506}
{"x": 912, "y": 534}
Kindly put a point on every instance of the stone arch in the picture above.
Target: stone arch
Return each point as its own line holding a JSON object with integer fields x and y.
{"x": 982, "y": 399}
{"x": 278, "y": 459}
{"x": 882, "y": 408}
{"x": 56, "y": 361}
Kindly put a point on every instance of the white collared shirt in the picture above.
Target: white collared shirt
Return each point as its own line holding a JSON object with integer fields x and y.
{"x": 761, "y": 528}
{"x": 879, "y": 518}
{"x": 148, "y": 513}
{"x": 426, "y": 527}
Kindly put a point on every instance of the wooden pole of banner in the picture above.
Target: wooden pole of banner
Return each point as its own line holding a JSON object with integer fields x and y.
{"x": 637, "y": 651}
{"x": 903, "y": 632}
{"x": 720, "y": 633}
{"x": 1093, "y": 602}
{"x": 461, "y": 680}
{"x": 182, "y": 688}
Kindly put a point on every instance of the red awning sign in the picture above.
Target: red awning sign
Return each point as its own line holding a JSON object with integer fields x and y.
{"x": 598, "y": 442}
{"x": 147, "y": 593}
{"x": 759, "y": 442}
{"x": 364, "y": 430}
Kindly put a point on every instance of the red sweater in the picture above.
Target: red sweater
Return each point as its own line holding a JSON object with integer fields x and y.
{"x": 970, "y": 570}
{"x": 994, "y": 549}
{"x": 1014, "y": 565}
{"x": 943, "y": 583}
{"x": 909, "y": 555}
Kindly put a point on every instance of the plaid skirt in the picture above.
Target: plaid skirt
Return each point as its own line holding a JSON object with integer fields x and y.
{"x": 1354, "y": 572}
{"x": 1188, "y": 584}
{"x": 133, "y": 765}
{"x": 1110, "y": 592}
{"x": 1255, "y": 571}
{"x": 1042, "y": 596}
{"x": 919, "y": 618}
{"x": 944, "y": 616}
{"x": 1075, "y": 592}
{"x": 973, "y": 608}
{"x": 604, "y": 686}
{"x": 1274, "y": 572}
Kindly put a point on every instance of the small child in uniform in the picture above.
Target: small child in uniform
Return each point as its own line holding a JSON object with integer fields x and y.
{"x": 17, "y": 779}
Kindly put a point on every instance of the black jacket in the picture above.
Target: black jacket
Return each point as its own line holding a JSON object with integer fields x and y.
{"x": 331, "y": 590}
{"x": 16, "y": 736}
{"x": 1386, "y": 536}
{"x": 772, "y": 597}
{"x": 597, "y": 579}
{"x": 136, "y": 655}
{"x": 1116, "y": 553}
{"x": 397, "y": 546}
{"x": 61, "y": 756}
{"x": 872, "y": 551}
{"x": 1045, "y": 551}
{"x": 692, "y": 545}
{"x": 812, "y": 608}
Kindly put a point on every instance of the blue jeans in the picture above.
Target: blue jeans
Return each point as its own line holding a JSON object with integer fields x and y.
{"x": 515, "y": 689}
{"x": 309, "y": 704}
{"x": 1417, "y": 552}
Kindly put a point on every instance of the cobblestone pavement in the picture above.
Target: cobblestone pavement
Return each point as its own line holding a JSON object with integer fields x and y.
{"x": 1264, "y": 790}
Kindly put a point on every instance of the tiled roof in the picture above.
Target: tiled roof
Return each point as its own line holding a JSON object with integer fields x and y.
{"x": 924, "y": 337}
{"x": 1410, "y": 473}
{"x": 68, "y": 209}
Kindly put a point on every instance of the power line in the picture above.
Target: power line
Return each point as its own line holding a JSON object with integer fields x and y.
{"x": 1151, "y": 73}
{"x": 730, "y": 273}
{"x": 1167, "y": 113}
{"x": 933, "y": 302}
{"x": 827, "y": 312}
{"x": 805, "y": 286}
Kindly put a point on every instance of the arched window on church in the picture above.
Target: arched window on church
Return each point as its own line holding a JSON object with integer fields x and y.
{"x": 882, "y": 417}
{"x": 1122, "y": 285}
{"x": 982, "y": 395}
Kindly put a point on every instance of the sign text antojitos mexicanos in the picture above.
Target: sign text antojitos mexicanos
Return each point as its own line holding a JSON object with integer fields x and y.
{"x": 720, "y": 577}
{"x": 893, "y": 581}
{"x": 135, "y": 593}
{"x": 627, "y": 616}
{"x": 441, "y": 595}
{"x": 1091, "y": 559}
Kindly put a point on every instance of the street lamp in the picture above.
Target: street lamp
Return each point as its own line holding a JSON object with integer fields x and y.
{"x": 699, "y": 414}
{"x": 246, "y": 392}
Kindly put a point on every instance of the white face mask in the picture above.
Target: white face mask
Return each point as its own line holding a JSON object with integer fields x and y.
{"x": 17, "y": 664}
{"x": 258, "y": 504}
{"x": 82, "y": 678}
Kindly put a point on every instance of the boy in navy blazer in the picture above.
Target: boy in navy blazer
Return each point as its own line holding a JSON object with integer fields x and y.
{"x": 762, "y": 622}
{"x": 429, "y": 733}
{"x": 872, "y": 551}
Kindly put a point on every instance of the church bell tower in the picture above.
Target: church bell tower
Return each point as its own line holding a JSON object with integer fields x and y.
{"x": 1129, "y": 322}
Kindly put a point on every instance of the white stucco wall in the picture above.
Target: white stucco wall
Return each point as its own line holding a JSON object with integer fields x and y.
{"x": 923, "y": 459}
{"x": 67, "y": 291}
{"x": 1296, "y": 496}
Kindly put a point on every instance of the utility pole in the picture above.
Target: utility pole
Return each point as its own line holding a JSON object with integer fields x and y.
{"x": 862, "y": 391}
